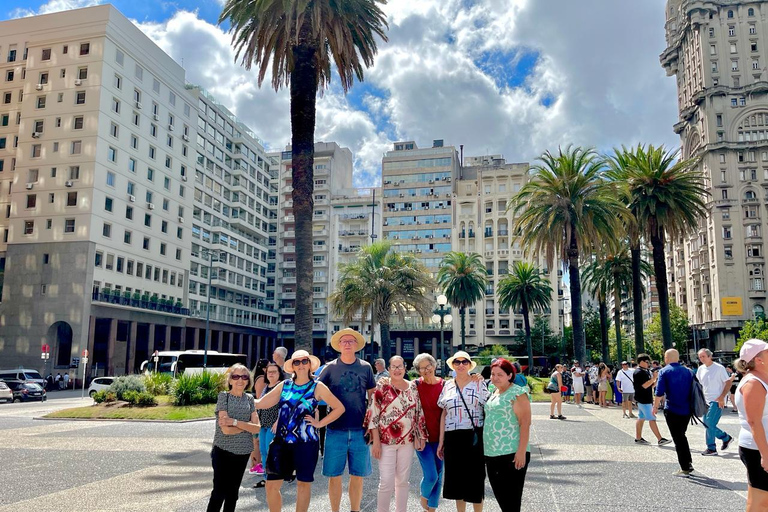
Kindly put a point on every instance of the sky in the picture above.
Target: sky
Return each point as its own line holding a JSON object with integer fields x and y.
{"x": 508, "y": 77}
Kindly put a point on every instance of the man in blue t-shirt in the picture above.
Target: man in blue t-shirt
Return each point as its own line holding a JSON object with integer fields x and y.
{"x": 351, "y": 380}
{"x": 674, "y": 381}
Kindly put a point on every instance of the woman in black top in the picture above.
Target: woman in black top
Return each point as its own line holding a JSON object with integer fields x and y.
{"x": 268, "y": 417}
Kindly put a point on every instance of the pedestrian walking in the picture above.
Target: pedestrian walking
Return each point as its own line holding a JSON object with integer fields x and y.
{"x": 429, "y": 387}
{"x": 268, "y": 419}
{"x": 625, "y": 383}
{"x": 397, "y": 427}
{"x": 66, "y": 380}
{"x": 753, "y": 415}
{"x": 674, "y": 383}
{"x": 295, "y": 446}
{"x": 578, "y": 373}
{"x": 233, "y": 441}
{"x": 461, "y": 434}
{"x": 553, "y": 387}
{"x": 716, "y": 383}
{"x": 351, "y": 380}
{"x": 505, "y": 436}
{"x": 643, "y": 381}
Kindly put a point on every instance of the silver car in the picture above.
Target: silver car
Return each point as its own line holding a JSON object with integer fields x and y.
{"x": 5, "y": 392}
{"x": 99, "y": 384}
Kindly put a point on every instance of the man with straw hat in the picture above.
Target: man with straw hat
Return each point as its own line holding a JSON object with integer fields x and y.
{"x": 351, "y": 380}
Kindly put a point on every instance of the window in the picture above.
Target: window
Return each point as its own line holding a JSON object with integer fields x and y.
{"x": 29, "y": 227}
{"x": 11, "y": 55}
{"x": 179, "y": 233}
{"x": 119, "y": 57}
{"x": 77, "y": 147}
{"x": 732, "y": 32}
{"x": 78, "y": 123}
{"x": 129, "y": 212}
{"x": 31, "y": 200}
{"x": 46, "y": 54}
{"x": 148, "y": 196}
{"x": 2, "y": 142}
{"x": 69, "y": 225}
{"x": 139, "y": 72}
{"x": 74, "y": 172}
{"x": 734, "y": 65}
{"x": 730, "y": 14}
{"x": 132, "y": 165}
{"x": 39, "y": 124}
{"x": 108, "y": 204}
{"x": 131, "y": 187}
{"x": 726, "y": 232}
{"x": 724, "y": 194}
{"x": 82, "y": 73}
{"x": 9, "y": 75}
{"x": 115, "y": 105}
{"x": 114, "y": 130}
{"x": 728, "y": 252}
{"x": 162, "y": 249}
{"x": 127, "y": 237}
{"x": 155, "y": 85}
{"x": 85, "y": 48}
{"x": 753, "y": 46}
{"x": 106, "y": 230}
{"x": 145, "y": 246}
{"x": 178, "y": 257}
{"x": 750, "y": 12}
{"x": 111, "y": 179}
{"x": 152, "y": 152}
{"x": 33, "y": 175}
{"x": 51, "y": 197}
{"x": 752, "y": 30}
{"x": 164, "y": 226}
{"x": 40, "y": 102}
{"x": 150, "y": 174}
{"x": 112, "y": 154}
{"x": 148, "y": 220}
{"x": 71, "y": 198}
{"x": 36, "y": 150}
{"x": 7, "y": 98}
{"x": 80, "y": 98}
{"x": 118, "y": 82}
{"x": 712, "y": 49}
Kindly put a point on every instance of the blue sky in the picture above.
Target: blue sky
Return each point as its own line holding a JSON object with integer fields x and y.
{"x": 514, "y": 78}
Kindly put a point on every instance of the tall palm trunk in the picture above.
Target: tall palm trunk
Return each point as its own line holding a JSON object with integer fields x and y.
{"x": 462, "y": 315}
{"x": 603, "y": 308}
{"x": 637, "y": 298}
{"x": 303, "y": 97}
{"x": 579, "y": 345}
{"x": 617, "y": 320}
{"x": 386, "y": 344}
{"x": 528, "y": 343}
{"x": 660, "y": 271}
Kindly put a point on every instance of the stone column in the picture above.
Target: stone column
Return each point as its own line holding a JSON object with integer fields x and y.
{"x": 131, "y": 347}
{"x": 220, "y": 344}
{"x": 167, "y": 345}
{"x": 151, "y": 339}
{"x": 251, "y": 362}
{"x": 435, "y": 341}
{"x": 399, "y": 346}
{"x": 111, "y": 340}
{"x": 197, "y": 338}
{"x": 183, "y": 339}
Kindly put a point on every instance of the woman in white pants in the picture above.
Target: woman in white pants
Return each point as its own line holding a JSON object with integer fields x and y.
{"x": 397, "y": 426}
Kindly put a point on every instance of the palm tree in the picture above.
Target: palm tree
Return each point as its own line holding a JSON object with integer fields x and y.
{"x": 565, "y": 209}
{"x": 668, "y": 197}
{"x": 381, "y": 283}
{"x": 618, "y": 164}
{"x": 525, "y": 289}
{"x": 299, "y": 38}
{"x": 598, "y": 281}
{"x": 463, "y": 278}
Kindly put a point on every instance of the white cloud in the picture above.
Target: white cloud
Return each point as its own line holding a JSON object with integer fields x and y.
{"x": 55, "y": 6}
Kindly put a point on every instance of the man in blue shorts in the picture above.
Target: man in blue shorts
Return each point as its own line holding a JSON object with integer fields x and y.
{"x": 350, "y": 380}
{"x": 644, "y": 381}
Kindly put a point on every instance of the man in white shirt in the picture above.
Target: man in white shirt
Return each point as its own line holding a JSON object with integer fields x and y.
{"x": 577, "y": 372}
{"x": 626, "y": 385}
{"x": 593, "y": 372}
{"x": 716, "y": 383}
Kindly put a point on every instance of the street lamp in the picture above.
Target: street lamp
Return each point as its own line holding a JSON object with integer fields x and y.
{"x": 209, "y": 256}
{"x": 441, "y": 317}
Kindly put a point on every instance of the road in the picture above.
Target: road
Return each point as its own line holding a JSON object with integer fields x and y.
{"x": 587, "y": 463}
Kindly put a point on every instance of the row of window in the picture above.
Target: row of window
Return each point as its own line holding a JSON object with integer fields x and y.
{"x": 45, "y": 54}
{"x": 140, "y": 269}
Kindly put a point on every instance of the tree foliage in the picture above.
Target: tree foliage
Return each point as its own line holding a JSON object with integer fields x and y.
{"x": 681, "y": 332}
{"x": 752, "y": 329}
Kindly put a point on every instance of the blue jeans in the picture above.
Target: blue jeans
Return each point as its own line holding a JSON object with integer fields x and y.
{"x": 432, "y": 474}
{"x": 710, "y": 421}
{"x": 265, "y": 437}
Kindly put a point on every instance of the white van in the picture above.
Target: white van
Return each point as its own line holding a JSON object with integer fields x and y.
{"x": 22, "y": 375}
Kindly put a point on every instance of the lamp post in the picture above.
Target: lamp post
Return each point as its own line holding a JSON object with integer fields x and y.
{"x": 209, "y": 257}
{"x": 441, "y": 317}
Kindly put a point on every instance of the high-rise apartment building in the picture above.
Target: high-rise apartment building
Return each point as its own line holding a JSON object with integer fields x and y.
{"x": 484, "y": 226}
{"x": 717, "y": 52}
{"x": 99, "y": 192}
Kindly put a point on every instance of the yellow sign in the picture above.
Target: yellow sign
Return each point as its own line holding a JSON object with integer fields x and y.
{"x": 731, "y": 306}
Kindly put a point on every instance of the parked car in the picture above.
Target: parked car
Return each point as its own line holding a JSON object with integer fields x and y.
{"x": 22, "y": 375}
{"x": 5, "y": 392}
{"x": 99, "y": 384}
{"x": 28, "y": 392}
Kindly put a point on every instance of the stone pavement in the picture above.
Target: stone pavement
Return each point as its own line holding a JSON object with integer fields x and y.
{"x": 587, "y": 463}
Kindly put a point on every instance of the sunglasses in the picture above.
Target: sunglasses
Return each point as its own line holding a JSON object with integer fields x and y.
{"x": 301, "y": 361}
{"x": 238, "y": 377}
{"x": 459, "y": 362}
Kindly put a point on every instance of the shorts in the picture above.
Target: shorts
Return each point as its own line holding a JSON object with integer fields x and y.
{"x": 342, "y": 446}
{"x": 602, "y": 386}
{"x": 756, "y": 475}
{"x": 298, "y": 457}
{"x": 594, "y": 387}
{"x": 645, "y": 412}
{"x": 628, "y": 397}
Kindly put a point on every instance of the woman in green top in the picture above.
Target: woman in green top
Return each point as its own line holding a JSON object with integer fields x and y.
{"x": 506, "y": 434}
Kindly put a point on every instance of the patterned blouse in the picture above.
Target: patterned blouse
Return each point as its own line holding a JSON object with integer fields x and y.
{"x": 268, "y": 417}
{"x": 295, "y": 403}
{"x": 456, "y": 418}
{"x": 396, "y": 414}
{"x": 239, "y": 408}
{"x": 501, "y": 435}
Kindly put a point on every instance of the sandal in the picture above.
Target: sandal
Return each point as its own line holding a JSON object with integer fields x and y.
{"x": 260, "y": 484}
{"x": 561, "y": 417}
{"x": 552, "y": 417}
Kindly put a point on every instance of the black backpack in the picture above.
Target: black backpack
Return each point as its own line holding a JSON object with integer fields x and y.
{"x": 697, "y": 401}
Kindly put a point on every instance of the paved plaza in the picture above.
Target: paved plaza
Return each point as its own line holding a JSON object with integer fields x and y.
{"x": 587, "y": 463}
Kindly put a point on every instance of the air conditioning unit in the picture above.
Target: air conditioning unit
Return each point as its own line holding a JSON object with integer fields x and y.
{"x": 35, "y": 135}
{"x": 430, "y": 236}
{"x": 151, "y": 206}
{"x": 417, "y": 237}
{"x": 418, "y": 251}
{"x": 39, "y": 87}
{"x": 448, "y": 179}
{"x": 183, "y": 178}
{"x": 409, "y": 208}
{"x": 138, "y": 105}
{"x": 30, "y": 185}
{"x": 156, "y": 117}
{"x": 170, "y": 127}
{"x": 181, "y": 219}
{"x": 78, "y": 81}
{"x": 402, "y": 195}
{"x": 132, "y": 198}
{"x": 431, "y": 181}
{"x": 447, "y": 195}
{"x": 396, "y": 237}
{"x": 185, "y": 138}
{"x": 69, "y": 183}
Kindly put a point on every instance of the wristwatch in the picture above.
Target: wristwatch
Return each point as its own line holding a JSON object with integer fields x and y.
{"x": 234, "y": 423}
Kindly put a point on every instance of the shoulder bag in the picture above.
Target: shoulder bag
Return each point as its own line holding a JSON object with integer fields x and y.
{"x": 475, "y": 437}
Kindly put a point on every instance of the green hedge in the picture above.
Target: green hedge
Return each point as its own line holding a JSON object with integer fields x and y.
{"x": 158, "y": 383}
{"x": 127, "y": 383}
{"x": 201, "y": 388}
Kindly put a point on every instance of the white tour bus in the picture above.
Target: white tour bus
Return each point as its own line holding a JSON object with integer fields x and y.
{"x": 176, "y": 362}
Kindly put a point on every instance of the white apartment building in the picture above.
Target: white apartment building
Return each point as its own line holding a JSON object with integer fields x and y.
{"x": 97, "y": 146}
{"x": 484, "y": 226}
{"x": 717, "y": 52}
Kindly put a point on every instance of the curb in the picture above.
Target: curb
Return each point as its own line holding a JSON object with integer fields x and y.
{"x": 43, "y": 418}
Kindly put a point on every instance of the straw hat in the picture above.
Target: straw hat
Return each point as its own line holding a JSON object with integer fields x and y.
{"x": 336, "y": 338}
{"x": 314, "y": 362}
{"x": 464, "y": 355}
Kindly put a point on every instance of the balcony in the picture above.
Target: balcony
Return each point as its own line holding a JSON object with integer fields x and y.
{"x": 288, "y": 280}
{"x": 288, "y": 249}
{"x": 319, "y": 327}
{"x": 503, "y": 232}
{"x": 288, "y": 204}
{"x": 288, "y": 295}
{"x": 149, "y": 303}
{"x": 321, "y": 232}
{"x": 462, "y": 234}
{"x": 471, "y": 234}
{"x": 504, "y": 332}
{"x": 490, "y": 311}
{"x": 287, "y": 311}
{"x": 320, "y": 218}
{"x": 286, "y": 189}
{"x": 489, "y": 254}
{"x": 286, "y": 327}
{"x": 289, "y": 234}
{"x": 757, "y": 294}
{"x": 503, "y": 253}
{"x": 288, "y": 264}
{"x": 353, "y": 233}
{"x": 490, "y": 332}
